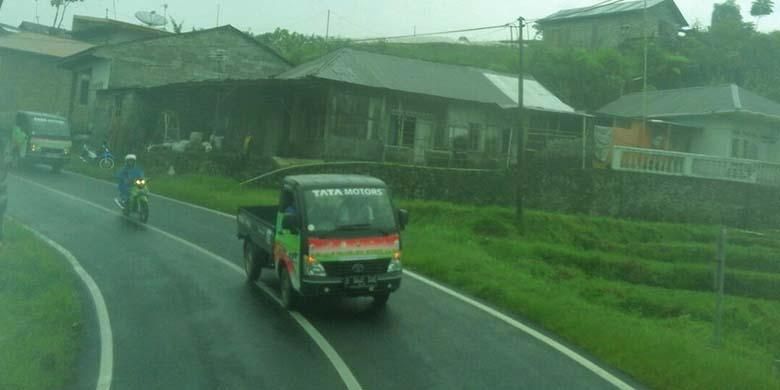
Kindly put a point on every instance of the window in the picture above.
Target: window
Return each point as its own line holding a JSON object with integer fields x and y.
{"x": 475, "y": 136}
{"x": 460, "y": 138}
{"x": 84, "y": 91}
{"x": 402, "y": 130}
{"x": 440, "y": 139}
{"x": 744, "y": 148}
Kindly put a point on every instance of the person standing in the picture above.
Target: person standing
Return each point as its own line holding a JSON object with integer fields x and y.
{"x": 19, "y": 140}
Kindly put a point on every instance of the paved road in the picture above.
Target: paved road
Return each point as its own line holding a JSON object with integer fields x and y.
{"x": 180, "y": 319}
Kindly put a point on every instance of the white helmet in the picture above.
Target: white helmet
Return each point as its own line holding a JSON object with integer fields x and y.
{"x": 130, "y": 157}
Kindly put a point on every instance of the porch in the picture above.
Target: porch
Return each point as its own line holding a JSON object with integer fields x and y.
{"x": 695, "y": 165}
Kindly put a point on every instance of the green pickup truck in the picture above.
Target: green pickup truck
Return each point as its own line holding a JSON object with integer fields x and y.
{"x": 47, "y": 138}
{"x": 330, "y": 235}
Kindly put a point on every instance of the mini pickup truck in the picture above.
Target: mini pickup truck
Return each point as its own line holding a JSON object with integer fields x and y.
{"x": 330, "y": 235}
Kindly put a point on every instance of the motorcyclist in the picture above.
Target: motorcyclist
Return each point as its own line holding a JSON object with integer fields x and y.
{"x": 125, "y": 178}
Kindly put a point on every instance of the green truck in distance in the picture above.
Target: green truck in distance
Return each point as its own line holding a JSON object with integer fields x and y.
{"x": 46, "y": 138}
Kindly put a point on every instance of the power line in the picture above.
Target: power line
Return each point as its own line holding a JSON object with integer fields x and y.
{"x": 435, "y": 33}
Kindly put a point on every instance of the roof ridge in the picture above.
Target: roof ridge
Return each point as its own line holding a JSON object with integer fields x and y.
{"x": 527, "y": 76}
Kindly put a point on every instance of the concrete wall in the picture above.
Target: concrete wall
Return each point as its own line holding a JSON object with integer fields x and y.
{"x": 208, "y": 55}
{"x": 33, "y": 82}
{"x": 720, "y": 130}
{"x": 654, "y": 197}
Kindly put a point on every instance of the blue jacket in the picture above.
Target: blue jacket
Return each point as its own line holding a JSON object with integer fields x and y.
{"x": 126, "y": 175}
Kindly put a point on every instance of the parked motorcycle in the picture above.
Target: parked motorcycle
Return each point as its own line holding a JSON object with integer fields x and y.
{"x": 104, "y": 159}
{"x": 138, "y": 203}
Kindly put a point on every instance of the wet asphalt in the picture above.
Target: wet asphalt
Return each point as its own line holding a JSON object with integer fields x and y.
{"x": 182, "y": 320}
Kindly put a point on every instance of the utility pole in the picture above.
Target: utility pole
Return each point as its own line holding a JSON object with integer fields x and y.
{"x": 644, "y": 72}
{"x": 219, "y": 10}
{"x": 114, "y": 9}
{"x": 327, "y": 27}
{"x": 520, "y": 165}
{"x": 720, "y": 278}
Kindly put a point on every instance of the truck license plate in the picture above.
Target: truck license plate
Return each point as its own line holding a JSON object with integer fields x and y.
{"x": 362, "y": 281}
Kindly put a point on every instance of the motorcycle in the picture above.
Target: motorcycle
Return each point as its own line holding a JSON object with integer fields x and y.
{"x": 138, "y": 202}
{"x": 104, "y": 160}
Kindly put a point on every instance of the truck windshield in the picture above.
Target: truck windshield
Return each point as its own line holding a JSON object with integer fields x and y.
{"x": 46, "y": 127}
{"x": 345, "y": 209}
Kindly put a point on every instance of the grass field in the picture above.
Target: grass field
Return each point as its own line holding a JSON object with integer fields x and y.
{"x": 41, "y": 320}
{"x": 637, "y": 295}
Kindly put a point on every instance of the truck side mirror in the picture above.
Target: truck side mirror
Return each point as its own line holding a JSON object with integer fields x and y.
{"x": 290, "y": 222}
{"x": 403, "y": 218}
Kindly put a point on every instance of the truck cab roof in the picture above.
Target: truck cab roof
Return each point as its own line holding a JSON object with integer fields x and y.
{"x": 306, "y": 182}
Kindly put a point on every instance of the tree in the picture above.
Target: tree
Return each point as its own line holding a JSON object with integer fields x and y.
{"x": 726, "y": 15}
{"x": 761, "y": 8}
{"x": 177, "y": 27}
{"x": 61, "y": 7}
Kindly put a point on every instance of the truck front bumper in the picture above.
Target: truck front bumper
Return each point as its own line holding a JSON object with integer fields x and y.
{"x": 337, "y": 286}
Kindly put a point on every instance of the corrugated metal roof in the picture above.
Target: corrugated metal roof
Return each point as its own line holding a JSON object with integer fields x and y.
{"x": 427, "y": 78}
{"x": 606, "y": 9}
{"x": 693, "y": 101}
{"x": 42, "y": 44}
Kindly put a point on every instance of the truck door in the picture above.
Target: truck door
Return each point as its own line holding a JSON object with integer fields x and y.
{"x": 287, "y": 248}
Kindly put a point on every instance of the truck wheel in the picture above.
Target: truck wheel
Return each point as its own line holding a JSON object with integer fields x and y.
{"x": 289, "y": 297}
{"x": 251, "y": 267}
{"x": 380, "y": 299}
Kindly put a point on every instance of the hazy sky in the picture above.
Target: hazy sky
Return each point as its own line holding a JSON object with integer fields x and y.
{"x": 349, "y": 18}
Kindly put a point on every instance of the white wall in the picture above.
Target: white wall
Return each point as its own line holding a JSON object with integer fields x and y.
{"x": 720, "y": 130}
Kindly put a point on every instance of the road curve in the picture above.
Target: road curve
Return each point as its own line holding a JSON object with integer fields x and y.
{"x": 184, "y": 321}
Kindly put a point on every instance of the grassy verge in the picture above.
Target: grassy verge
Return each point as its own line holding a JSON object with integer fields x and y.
{"x": 637, "y": 295}
{"x": 41, "y": 314}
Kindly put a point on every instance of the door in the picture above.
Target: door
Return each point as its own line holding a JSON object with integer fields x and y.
{"x": 287, "y": 247}
{"x": 422, "y": 139}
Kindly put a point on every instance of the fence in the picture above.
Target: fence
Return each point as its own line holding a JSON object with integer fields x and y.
{"x": 695, "y": 165}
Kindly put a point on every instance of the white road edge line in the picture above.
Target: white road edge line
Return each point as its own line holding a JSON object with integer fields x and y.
{"x": 335, "y": 359}
{"x": 615, "y": 381}
{"x": 106, "y": 368}
{"x": 593, "y": 367}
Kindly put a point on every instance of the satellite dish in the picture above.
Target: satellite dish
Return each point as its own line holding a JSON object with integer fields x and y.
{"x": 151, "y": 18}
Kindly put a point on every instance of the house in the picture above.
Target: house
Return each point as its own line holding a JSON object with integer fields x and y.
{"x": 8, "y": 29}
{"x": 724, "y": 132}
{"x": 108, "y": 98}
{"x": 608, "y": 25}
{"x": 104, "y": 31}
{"x": 358, "y": 105}
{"x": 44, "y": 29}
{"x": 30, "y": 78}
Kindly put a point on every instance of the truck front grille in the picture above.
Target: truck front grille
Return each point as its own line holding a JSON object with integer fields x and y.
{"x": 365, "y": 267}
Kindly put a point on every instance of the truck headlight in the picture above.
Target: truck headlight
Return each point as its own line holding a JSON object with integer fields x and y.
{"x": 66, "y": 151}
{"x": 313, "y": 267}
{"x": 33, "y": 148}
{"x": 395, "y": 263}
